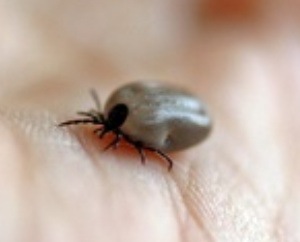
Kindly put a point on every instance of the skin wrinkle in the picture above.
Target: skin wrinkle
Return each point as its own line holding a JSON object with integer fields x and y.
{"x": 244, "y": 176}
{"x": 242, "y": 180}
{"x": 178, "y": 206}
{"x": 181, "y": 223}
{"x": 183, "y": 179}
{"x": 194, "y": 196}
{"x": 41, "y": 130}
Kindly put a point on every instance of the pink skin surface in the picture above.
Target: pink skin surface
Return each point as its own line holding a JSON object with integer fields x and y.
{"x": 242, "y": 184}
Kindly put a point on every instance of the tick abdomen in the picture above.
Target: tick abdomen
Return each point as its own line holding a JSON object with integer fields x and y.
{"x": 161, "y": 117}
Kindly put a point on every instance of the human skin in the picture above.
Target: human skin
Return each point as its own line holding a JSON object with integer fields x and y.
{"x": 241, "y": 184}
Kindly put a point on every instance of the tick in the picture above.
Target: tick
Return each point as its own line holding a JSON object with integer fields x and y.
{"x": 149, "y": 116}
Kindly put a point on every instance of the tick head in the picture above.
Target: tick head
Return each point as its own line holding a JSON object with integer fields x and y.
{"x": 117, "y": 116}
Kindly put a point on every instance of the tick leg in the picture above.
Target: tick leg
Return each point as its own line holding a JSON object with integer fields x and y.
{"x": 98, "y": 131}
{"x": 95, "y": 98}
{"x": 77, "y": 121}
{"x": 163, "y": 155}
{"x": 93, "y": 114}
{"x": 167, "y": 158}
{"x": 114, "y": 143}
{"x": 141, "y": 153}
{"x": 103, "y": 133}
{"x": 87, "y": 114}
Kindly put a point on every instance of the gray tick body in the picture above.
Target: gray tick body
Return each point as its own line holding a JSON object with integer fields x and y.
{"x": 150, "y": 116}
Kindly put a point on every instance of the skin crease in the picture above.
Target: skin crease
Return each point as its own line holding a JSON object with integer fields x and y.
{"x": 241, "y": 184}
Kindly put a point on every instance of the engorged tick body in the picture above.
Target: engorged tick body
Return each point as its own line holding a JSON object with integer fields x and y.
{"x": 150, "y": 116}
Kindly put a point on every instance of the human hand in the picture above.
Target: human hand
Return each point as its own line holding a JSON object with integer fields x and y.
{"x": 58, "y": 185}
